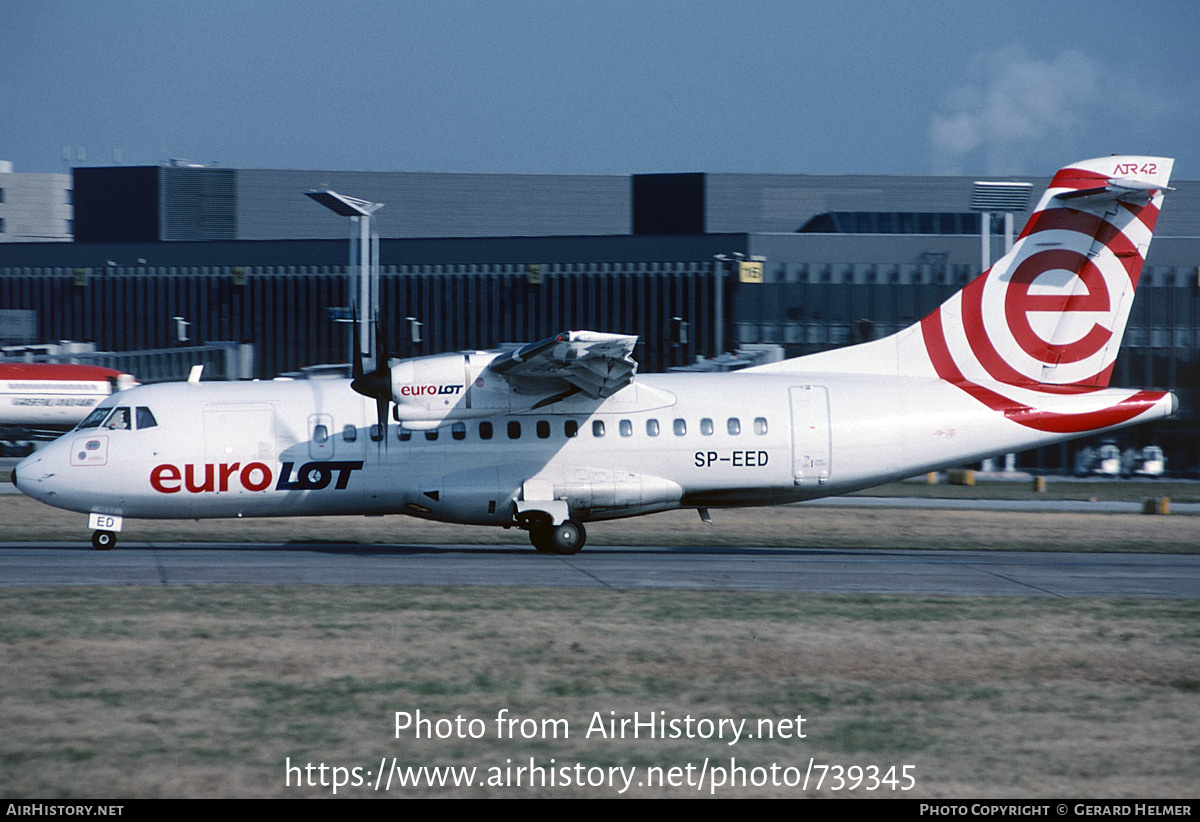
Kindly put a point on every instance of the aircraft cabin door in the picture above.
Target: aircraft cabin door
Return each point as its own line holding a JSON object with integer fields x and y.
{"x": 810, "y": 434}
{"x": 320, "y": 436}
{"x": 235, "y": 432}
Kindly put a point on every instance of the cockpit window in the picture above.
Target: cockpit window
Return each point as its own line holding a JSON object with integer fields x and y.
{"x": 97, "y": 416}
{"x": 118, "y": 420}
{"x": 145, "y": 419}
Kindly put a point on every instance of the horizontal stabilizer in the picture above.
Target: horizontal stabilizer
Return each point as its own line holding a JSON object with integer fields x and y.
{"x": 1115, "y": 190}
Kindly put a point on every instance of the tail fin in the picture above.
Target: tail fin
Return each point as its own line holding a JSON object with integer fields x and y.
{"x": 1035, "y": 336}
{"x": 1050, "y": 314}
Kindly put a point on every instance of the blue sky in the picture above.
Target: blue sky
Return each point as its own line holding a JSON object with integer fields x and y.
{"x": 604, "y": 87}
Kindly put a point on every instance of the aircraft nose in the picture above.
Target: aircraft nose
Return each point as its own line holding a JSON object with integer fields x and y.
{"x": 24, "y": 474}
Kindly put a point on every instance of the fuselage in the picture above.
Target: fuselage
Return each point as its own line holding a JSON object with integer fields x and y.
{"x": 278, "y": 448}
{"x": 559, "y": 431}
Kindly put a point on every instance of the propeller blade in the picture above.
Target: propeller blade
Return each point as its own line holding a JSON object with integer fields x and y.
{"x": 382, "y": 355}
{"x": 377, "y": 383}
{"x": 381, "y": 409}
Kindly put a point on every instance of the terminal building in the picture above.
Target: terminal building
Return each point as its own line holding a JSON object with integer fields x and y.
{"x": 695, "y": 264}
{"x": 34, "y": 208}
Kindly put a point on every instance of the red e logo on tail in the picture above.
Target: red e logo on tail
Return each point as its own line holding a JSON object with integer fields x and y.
{"x": 1019, "y": 303}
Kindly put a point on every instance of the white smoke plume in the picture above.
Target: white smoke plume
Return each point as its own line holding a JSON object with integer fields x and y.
{"x": 1013, "y": 110}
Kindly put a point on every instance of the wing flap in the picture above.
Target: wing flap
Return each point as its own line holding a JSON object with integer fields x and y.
{"x": 596, "y": 364}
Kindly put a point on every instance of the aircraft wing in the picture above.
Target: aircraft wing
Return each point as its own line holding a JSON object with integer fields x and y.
{"x": 596, "y": 364}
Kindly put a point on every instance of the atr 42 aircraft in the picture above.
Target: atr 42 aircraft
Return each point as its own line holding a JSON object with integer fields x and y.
{"x": 560, "y": 432}
{"x": 42, "y": 400}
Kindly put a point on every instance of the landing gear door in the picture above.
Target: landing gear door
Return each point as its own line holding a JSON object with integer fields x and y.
{"x": 810, "y": 434}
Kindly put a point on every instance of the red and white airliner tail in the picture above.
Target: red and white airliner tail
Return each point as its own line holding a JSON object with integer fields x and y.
{"x": 54, "y": 396}
{"x": 1053, "y": 310}
{"x": 1035, "y": 336}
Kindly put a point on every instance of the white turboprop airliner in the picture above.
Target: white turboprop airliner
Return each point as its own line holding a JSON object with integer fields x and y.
{"x": 560, "y": 432}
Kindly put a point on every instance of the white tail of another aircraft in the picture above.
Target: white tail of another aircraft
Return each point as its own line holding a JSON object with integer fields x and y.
{"x": 1035, "y": 336}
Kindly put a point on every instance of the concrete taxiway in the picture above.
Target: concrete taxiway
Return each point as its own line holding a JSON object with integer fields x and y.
{"x": 943, "y": 573}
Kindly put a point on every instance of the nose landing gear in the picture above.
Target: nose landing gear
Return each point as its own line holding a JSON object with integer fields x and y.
{"x": 104, "y": 530}
{"x": 103, "y": 540}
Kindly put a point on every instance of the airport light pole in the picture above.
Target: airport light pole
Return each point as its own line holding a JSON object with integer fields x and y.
{"x": 1005, "y": 197}
{"x": 364, "y": 259}
{"x": 748, "y": 270}
{"x": 719, "y": 299}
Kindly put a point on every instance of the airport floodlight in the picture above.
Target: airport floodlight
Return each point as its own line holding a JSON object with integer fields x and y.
{"x": 343, "y": 205}
{"x": 1003, "y": 197}
{"x": 364, "y": 261}
{"x": 1009, "y": 197}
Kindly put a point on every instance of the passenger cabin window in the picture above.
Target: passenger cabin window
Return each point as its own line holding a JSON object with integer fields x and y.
{"x": 706, "y": 427}
{"x": 571, "y": 428}
{"x": 459, "y": 431}
{"x": 734, "y": 426}
{"x": 485, "y": 430}
{"x": 432, "y": 435}
{"x": 626, "y": 427}
{"x": 597, "y": 428}
{"x": 145, "y": 419}
{"x": 349, "y": 433}
{"x": 514, "y": 430}
{"x": 760, "y": 425}
{"x": 376, "y": 432}
{"x": 403, "y": 434}
{"x": 652, "y": 428}
{"x": 543, "y": 429}
{"x": 320, "y": 434}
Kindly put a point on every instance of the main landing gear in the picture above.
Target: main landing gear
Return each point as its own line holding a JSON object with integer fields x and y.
{"x": 103, "y": 540}
{"x": 563, "y": 539}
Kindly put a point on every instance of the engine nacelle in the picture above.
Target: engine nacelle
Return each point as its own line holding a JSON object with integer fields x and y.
{"x": 432, "y": 391}
{"x": 429, "y": 387}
